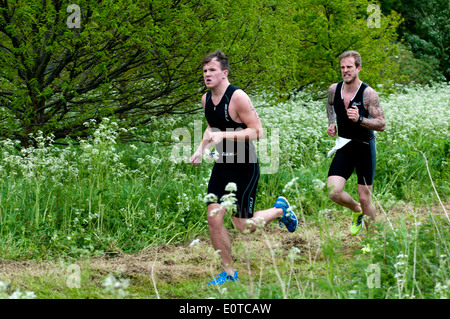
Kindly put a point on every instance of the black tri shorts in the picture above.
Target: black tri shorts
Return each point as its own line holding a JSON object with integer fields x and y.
{"x": 245, "y": 176}
{"x": 355, "y": 156}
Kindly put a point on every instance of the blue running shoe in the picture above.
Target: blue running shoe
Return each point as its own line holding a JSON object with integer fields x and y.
{"x": 223, "y": 277}
{"x": 289, "y": 218}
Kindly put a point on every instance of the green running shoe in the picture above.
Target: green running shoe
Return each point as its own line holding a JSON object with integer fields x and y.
{"x": 223, "y": 277}
{"x": 357, "y": 223}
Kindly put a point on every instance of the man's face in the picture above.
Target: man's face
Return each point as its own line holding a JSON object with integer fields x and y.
{"x": 349, "y": 71}
{"x": 213, "y": 74}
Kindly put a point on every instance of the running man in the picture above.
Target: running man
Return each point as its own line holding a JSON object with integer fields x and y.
{"x": 356, "y": 107}
{"x": 233, "y": 124}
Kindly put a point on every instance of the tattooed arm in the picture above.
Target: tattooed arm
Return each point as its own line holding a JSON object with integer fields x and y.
{"x": 330, "y": 111}
{"x": 376, "y": 120}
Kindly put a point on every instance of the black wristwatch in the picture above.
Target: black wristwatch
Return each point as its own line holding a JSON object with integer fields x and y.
{"x": 360, "y": 119}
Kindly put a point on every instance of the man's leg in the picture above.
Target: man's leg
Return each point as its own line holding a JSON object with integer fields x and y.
{"x": 365, "y": 170}
{"x": 260, "y": 217}
{"x": 336, "y": 186}
{"x": 365, "y": 198}
{"x": 219, "y": 236}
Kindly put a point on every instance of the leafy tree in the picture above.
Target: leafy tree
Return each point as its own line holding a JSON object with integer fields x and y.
{"x": 328, "y": 28}
{"x": 136, "y": 60}
{"x": 429, "y": 31}
{"x": 425, "y": 31}
{"x": 131, "y": 59}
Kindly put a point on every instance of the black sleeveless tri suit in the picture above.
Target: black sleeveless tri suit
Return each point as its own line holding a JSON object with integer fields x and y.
{"x": 360, "y": 153}
{"x": 237, "y": 161}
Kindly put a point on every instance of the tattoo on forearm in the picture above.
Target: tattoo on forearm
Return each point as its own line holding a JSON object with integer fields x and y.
{"x": 376, "y": 121}
{"x": 330, "y": 107}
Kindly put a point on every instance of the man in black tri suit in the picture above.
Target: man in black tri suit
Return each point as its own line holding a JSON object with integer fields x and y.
{"x": 356, "y": 108}
{"x": 233, "y": 124}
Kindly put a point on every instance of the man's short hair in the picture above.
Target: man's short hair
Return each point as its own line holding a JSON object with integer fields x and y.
{"x": 220, "y": 57}
{"x": 353, "y": 54}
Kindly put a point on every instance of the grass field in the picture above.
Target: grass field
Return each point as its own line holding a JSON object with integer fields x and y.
{"x": 106, "y": 219}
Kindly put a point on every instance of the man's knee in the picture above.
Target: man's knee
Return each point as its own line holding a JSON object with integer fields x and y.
{"x": 365, "y": 202}
{"x": 335, "y": 185}
{"x": 333, "y": 192}
{"x": 365, "y": 196}
{"x": 215, "y": 216}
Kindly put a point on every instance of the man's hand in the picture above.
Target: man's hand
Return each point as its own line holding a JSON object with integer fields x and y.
{"x": 196, "y": 158}
{"x": 353, "y": 113}
{"x": 332, "y": 130}
{"x": 213, "y": 138}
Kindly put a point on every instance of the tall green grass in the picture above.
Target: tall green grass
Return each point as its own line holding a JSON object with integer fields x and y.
{"x": 101, "y": 196}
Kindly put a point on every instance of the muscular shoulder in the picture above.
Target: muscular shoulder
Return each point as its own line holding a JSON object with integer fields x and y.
{"x": 239, "y": 100}
{"x": 370, "y": 90}
{"x": 332, "y": 88}
{"x": 371, "y": 97}
{"x": 331, "y": 92}
{"x": 241, "y": 108}
{"x": 239, "y": 96}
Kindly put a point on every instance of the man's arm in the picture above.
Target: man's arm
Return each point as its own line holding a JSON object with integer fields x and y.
{"x": 376, "y": 121}
{"x": 330, "y": 111}
{"x": 196, "y": 158}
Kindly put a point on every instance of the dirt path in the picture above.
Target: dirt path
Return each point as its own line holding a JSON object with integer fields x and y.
{"x": 170, "y": 262}
{"x": 196, "y": 259}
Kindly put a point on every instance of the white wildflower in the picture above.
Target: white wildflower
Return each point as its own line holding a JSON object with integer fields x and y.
{"x": 214, "y": 212}
{"x": 290, "y": 184}
{"x": 318, "y": 184}
{"x": 229, "y": 202}
{"x": 3, "y": 286}
{"x": 231, "y": 187}
{"x": 18, "y": 294}
{"x": 194, "y": 242}
{"x": 210, "y": 198}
